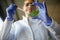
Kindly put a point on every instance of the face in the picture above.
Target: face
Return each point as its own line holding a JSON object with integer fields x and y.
{"x": 28, "y": 7}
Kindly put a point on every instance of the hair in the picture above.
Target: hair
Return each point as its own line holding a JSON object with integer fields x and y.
{"x": 30, "y": 0}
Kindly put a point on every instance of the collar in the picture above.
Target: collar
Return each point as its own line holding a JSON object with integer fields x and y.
{"x": 32, "y": 20}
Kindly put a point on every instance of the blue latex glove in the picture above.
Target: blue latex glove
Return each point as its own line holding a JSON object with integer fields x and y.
{"x": 43, "y": 14}
{"x": 11, "y": 10}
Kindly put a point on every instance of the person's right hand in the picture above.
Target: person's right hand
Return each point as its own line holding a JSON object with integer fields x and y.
{"x": 11, "y": 10}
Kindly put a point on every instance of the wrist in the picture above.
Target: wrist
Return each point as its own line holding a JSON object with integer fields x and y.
{"x": 48, "y": 21}
{"x": 10, "y": 18}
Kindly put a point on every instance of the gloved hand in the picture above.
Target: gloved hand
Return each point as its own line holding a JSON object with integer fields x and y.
{"x": 11, "y": 10}
{"x": 43, "y": 14}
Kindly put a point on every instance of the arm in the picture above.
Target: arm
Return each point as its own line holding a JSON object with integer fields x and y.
{"x": 43, "y": 15}
{"x": 6, "y": 28}
{"x": 8, "y": 21}
{"x": 50, "y": 24}
{"x": 55, "y": 26}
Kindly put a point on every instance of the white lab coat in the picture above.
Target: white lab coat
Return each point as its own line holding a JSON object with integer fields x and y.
{"x": 32, "y": 29}
{"x": 1, "y": 23}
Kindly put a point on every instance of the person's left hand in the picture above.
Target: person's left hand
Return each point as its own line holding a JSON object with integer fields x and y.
{"x": 43, "y": 14}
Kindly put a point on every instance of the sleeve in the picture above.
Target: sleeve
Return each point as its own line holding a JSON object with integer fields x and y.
{"x": 55, "y": 26}
{"x": 54, "y": 30}
{"x": 6, "y": 28}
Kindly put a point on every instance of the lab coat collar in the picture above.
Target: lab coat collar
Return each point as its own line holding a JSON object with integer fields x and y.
{"x": 32, "y": 20}
{"x": 25, "y": 19}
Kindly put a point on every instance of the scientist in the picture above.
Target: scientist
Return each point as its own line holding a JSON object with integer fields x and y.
{"x": 39, "y": 27}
